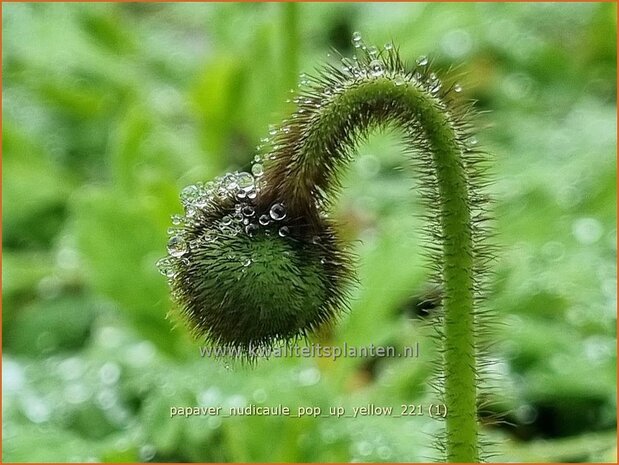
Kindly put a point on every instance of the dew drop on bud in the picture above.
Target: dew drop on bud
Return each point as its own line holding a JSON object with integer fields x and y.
{"x": 257, "y": 169}
{"x": 422, "y": 60}
{"x": 251, "y": 229}
{"x": 264, "y": 220}
{"x": 177, "y": 246}
{"x": 189, "y": 194}
{"x": 248, "y": 210}
{"x": 166, "y": 267}
{"x": 230, "y": 182}
{"x": 399, "y": 80}
{"x": 457, "y": 88}
{"x": 245, "y": 181}
{"x": 190, "y": 211}
{"x": 388, "y": 46}
{"x": 277, "y": 212}
{"x": 284, "y": 231}
{"x": 202, "y": 201}
{"x": 357, "y": 41}
{"x": 376, "y": 68}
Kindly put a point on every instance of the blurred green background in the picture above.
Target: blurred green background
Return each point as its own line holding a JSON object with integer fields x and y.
{"x": 110, "y": 109}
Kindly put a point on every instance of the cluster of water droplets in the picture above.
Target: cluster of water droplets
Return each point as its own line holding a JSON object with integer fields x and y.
{"x": 370, "y": 61}
{"x": 201, "y": 199}
{"x": 243, "y": 188}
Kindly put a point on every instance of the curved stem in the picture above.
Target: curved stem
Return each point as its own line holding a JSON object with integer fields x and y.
{"x": 316, "y": 144}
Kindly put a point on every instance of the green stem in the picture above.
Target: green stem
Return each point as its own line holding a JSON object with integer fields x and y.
{"x": 257, "y": 261}
{"x": 304, "y": 171}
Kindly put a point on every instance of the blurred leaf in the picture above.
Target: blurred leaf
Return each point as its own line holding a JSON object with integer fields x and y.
{"x": 50, "y": 326}
{"x": 125, "y": 270}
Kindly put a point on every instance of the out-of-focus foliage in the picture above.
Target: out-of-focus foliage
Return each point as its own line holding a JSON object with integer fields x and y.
{"x": 110, "y": 109}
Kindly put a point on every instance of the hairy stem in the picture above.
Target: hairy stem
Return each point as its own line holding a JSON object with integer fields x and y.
{"x": 304, "y": 170}
{"x": 256, "y": 260}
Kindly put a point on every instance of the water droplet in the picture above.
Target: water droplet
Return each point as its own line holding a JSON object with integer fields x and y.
{"x": 399, "y": 80}
{"x": 247, "y": 262}
{"x": 189, "y": 194}
{"x": 251, "y": 194}
{"x": 264, "y": 220}
{"x": 166, "y": 267}
{"x": 190, "y": 211}
{"x": 373, "y": 51}
{"x": 376, "y": 68}
{"x": 177, "y": 246}
{"x": 226, "y": 220}
{"x": 272, "y": 130}
{"x": 422, "y": 60}
{"x": 246, "y": 180}
{"x": 472, "y": 141}
{"x": 257, "y": 169}
{"x": 277, "y": 212}
{"x": 457, "y": 88}
{"x": 251, "y": 229}
{"x": 248, "y": 210}
{"x": 357, "y": 40}
{"x": 241, "y": 194}
{"x": 177, "y": 220}
{"x": 284, "y": 231}
{"x": 230, "y": 182}
{"x": 388, "y": 46}
{"x": 316, "y": 240}
{"x": 202, "y": 201}
{"x": 194, "y": 244}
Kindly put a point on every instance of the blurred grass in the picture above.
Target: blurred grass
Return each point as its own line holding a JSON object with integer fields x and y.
{"x": 110, "y": 109}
